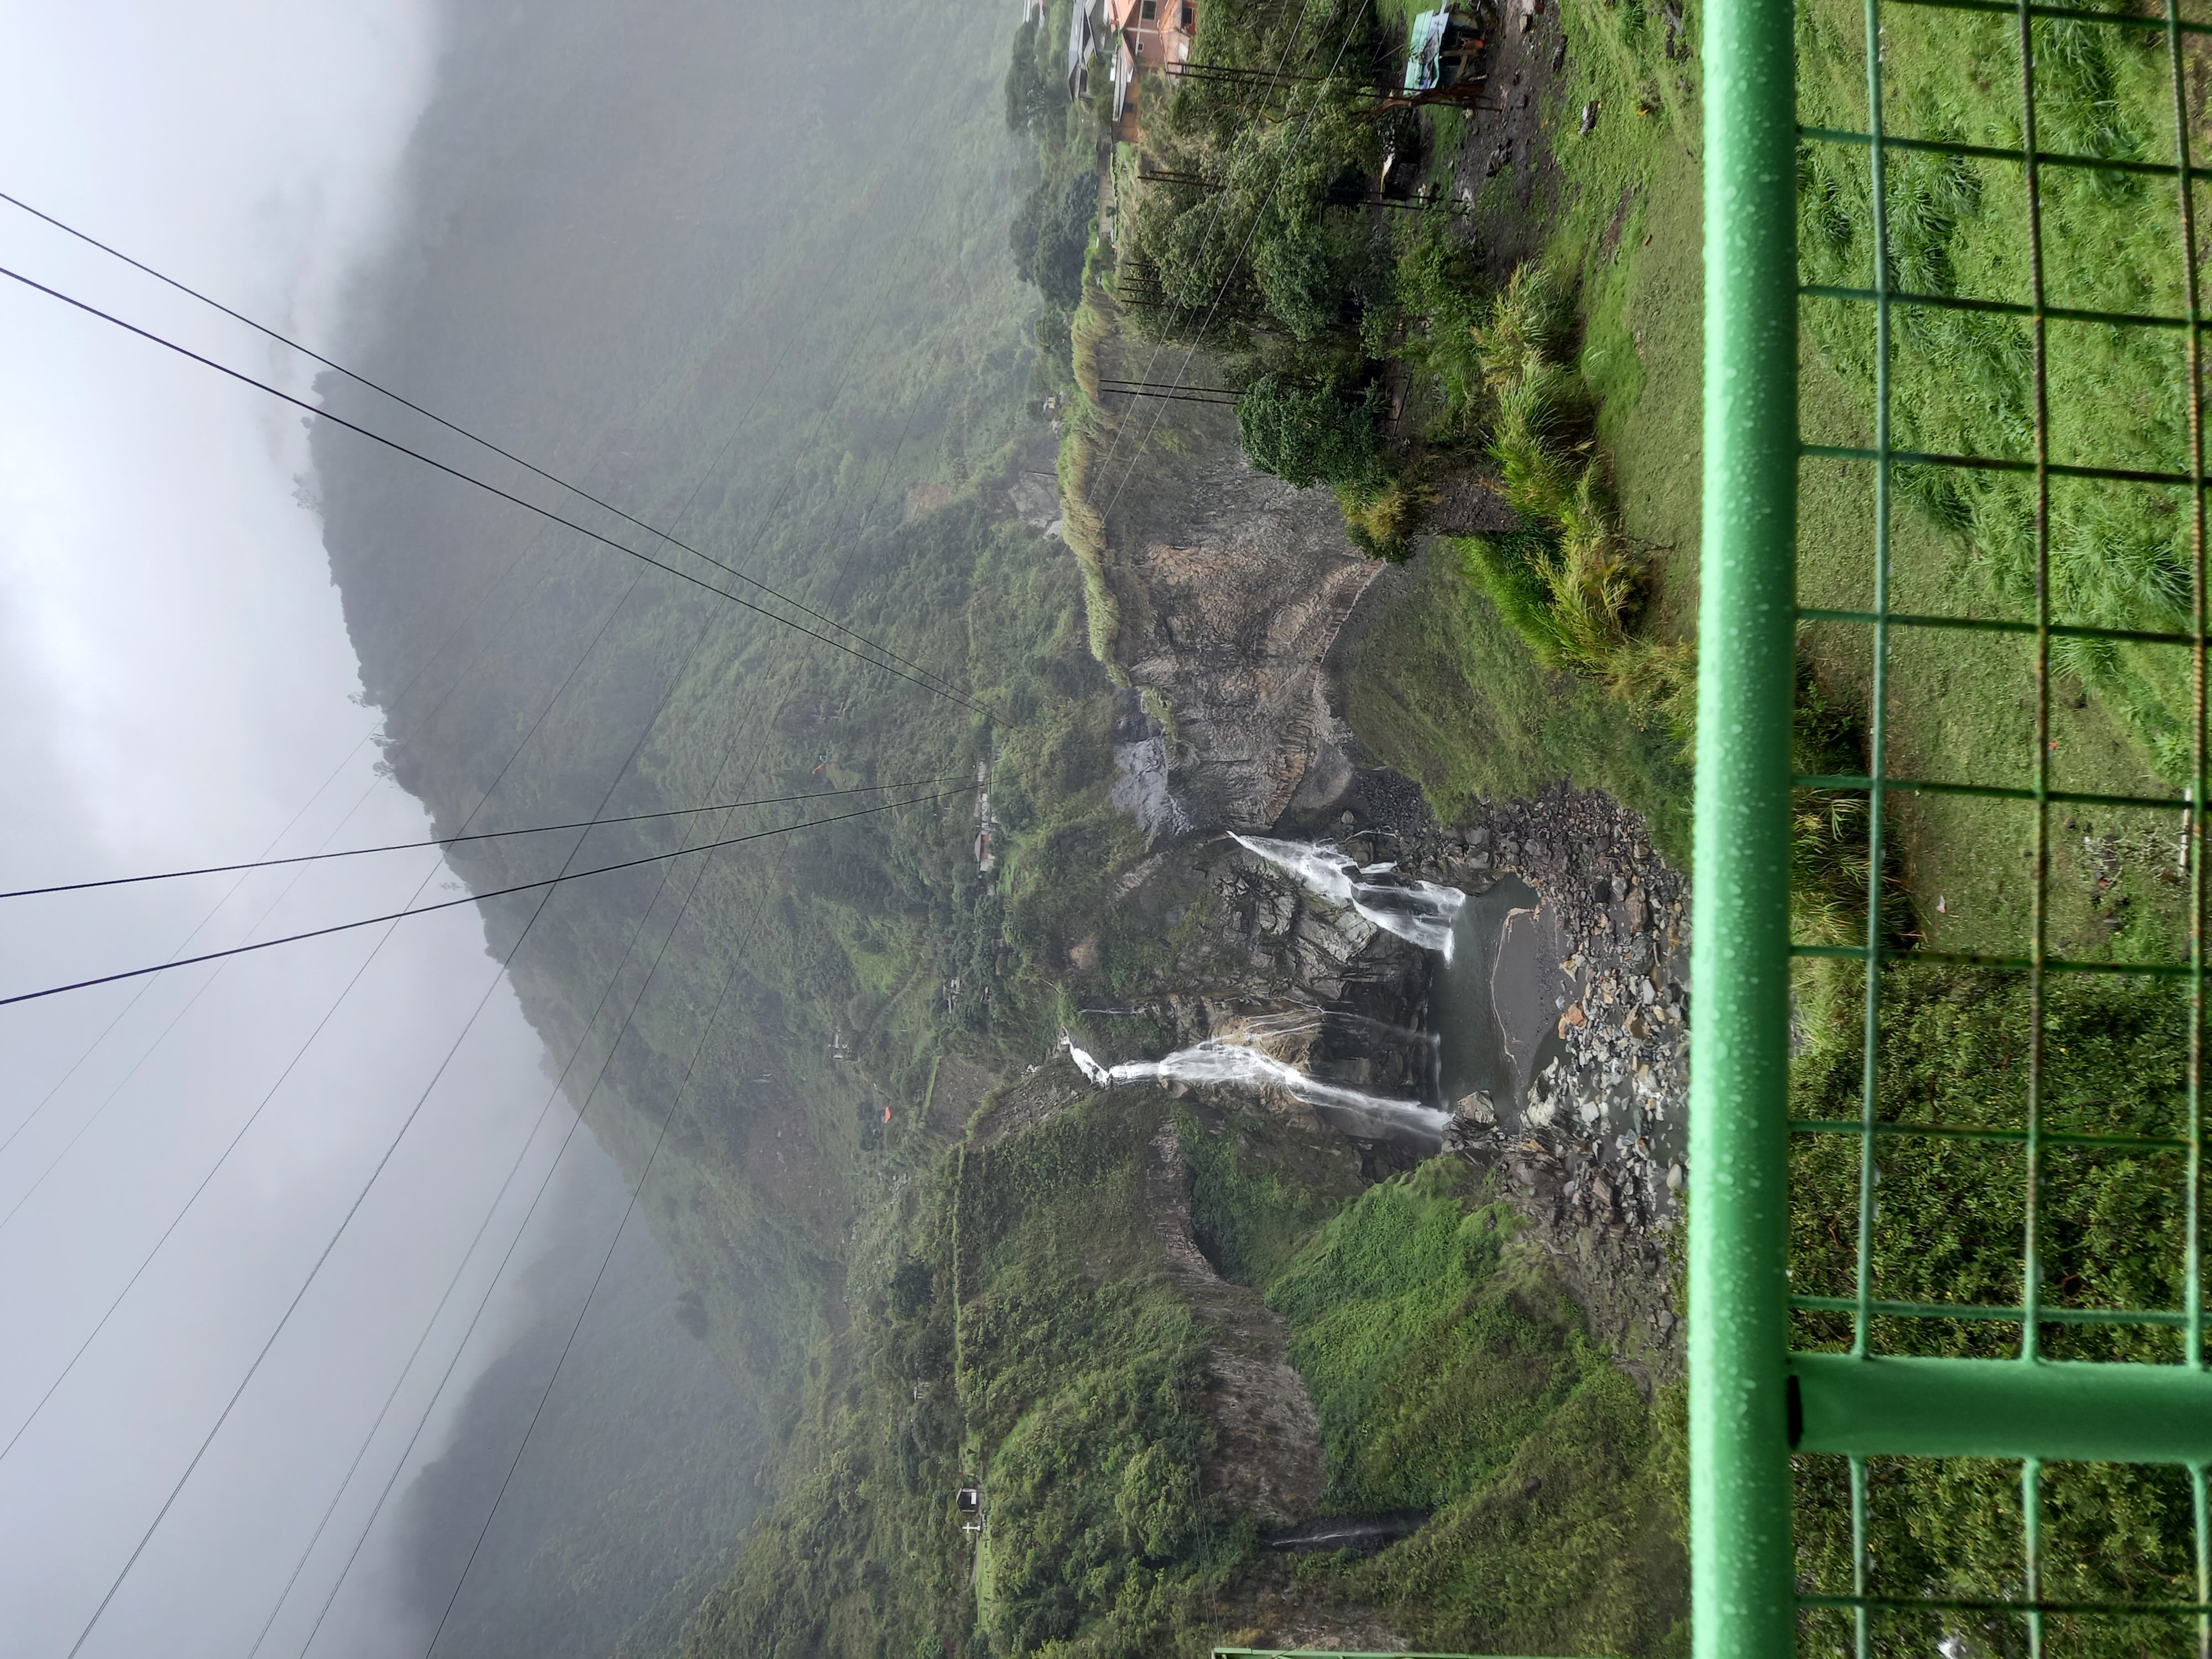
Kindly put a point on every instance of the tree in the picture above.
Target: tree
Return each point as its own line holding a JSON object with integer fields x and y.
{"x": 1050, "y": 233}
{"x": 1032, "y": 93}
{"x": 1308, "y": 435}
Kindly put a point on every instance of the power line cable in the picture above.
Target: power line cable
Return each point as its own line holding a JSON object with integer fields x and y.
{"x": 483, "y": 1303}
{"x": 707, "y": 1031}
{"x": 737, "y": 427}
{"x": 431, "y": 461}
{"x": 360, "y": 1198}
{"x": 407, "y": 1367}
{"x": 330, "y": 1012}
{"x": 271, "y": 908}
{"x": 432, "y": 416}
{"x": 761, "y": 384}
{"x": 451, "y": 426}
{"x": 456, "y": 840}
{"x": 676, "y": 1100}
{"x": 844, "y": 368}
{"x": 484, "y": 799}
{"x": 660, "y": 1139}
{"x": 444, "y": 904}
{"x": 274, "y": 842}
{"x": 585, "y": 824}
{"x": 400, "y": 1466}
{"x": 453, "y": 1360}
{"x": 726, "y": 841}
{"x": 491, "y": 1285}
{"x": 353, "y": 1208}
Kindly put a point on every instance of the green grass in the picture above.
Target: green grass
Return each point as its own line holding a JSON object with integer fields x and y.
{"x": 1949, "y": 1228}
{"x": 1627, "y": 237}
{"x": 1257, "y": 1192}
{"x": 1080, "y": 1378}
{"x": 1452, "y": 1372}
{"x": 1443, "y": 687}
{"x": 1962, "y": 543}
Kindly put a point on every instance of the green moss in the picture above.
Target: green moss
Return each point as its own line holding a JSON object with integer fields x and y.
{"x": 1255, "y": 1194}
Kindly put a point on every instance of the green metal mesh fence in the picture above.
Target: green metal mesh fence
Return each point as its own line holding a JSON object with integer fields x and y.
{"x": 2079, "y": 457}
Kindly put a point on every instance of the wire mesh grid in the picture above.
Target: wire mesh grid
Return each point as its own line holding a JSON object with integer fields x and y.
{"x": 2030, "y": 1602}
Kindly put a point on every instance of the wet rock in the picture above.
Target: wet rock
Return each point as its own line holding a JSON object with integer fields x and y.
{"x": 1593, "y": 1155}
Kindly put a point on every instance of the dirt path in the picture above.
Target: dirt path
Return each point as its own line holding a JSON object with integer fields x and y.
{"x": 1506, "y": 169}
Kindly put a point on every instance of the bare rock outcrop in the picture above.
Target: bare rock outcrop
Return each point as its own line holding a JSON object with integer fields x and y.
{"x": 1227, "y": 613}
{"x": 1594, "y": 1155}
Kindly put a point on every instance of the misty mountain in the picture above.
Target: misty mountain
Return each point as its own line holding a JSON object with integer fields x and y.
{"x": 743, "y": 270}
{"x": 638, "y": 1474}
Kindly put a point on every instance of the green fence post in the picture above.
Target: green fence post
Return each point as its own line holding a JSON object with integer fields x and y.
{"x": 1739, "y": 1539}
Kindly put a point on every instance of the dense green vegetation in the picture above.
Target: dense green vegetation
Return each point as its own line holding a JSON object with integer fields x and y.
{"x": 637, "y": 1486}
{"x": 1080, "y": 1369}
{"x": 1050, "y": 235}
{"x": 1453, "y": 683}
{"x": 1452, "y": 1373}
{"x": 908, "y": 1313}
{"x": 1014, "y": 1324}
{"x": 1308, "y": 435}
{"x": 825, "y": 390}
{"x": 1316, "y": 307}
{"x": 859, "y": 1551}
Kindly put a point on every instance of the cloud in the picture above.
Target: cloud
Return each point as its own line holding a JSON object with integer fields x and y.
{"x": 176, "y": 666}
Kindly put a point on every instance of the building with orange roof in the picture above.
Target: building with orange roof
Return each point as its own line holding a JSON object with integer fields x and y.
{"x": 1144, "y": 34}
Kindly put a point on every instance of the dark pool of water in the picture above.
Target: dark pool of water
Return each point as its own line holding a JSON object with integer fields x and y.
{"x": 1472, "y": 1051}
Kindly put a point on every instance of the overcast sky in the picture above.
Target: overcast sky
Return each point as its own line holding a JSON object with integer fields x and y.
{"x": 177, "y": 680}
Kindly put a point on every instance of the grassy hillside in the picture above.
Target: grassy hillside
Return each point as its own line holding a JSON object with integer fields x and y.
{"x": 1015, "y": 1323}
{"x": 773, "y": 313}
{"x": 1453, "y": 1373}
{"x": 1625, "y": 244}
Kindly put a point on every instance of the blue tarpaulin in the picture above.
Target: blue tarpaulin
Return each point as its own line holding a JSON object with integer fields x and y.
{"x": 1421, "y": 67}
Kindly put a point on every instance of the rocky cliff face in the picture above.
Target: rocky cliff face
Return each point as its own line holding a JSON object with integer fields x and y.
{"x": 1266, "y": 1456}
{"x": 1229, "y": 606}
{"x": 1593, "y": 1156}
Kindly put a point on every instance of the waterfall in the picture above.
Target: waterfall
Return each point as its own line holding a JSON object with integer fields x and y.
{"x": 1419, "y": 911}
{"x": 1215, "y": 1061}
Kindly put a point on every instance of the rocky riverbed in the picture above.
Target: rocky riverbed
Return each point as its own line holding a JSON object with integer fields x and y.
{"x": 1593, "y": 1153}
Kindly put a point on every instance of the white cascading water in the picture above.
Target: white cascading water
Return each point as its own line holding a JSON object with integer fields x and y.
{"x": 1419, "y": 911}
{"x": 1218, "y": 1061}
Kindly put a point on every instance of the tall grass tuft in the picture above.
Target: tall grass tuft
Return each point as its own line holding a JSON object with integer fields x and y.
{"x": 1566, "y": 576}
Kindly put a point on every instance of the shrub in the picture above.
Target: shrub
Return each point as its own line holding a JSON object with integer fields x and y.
{"x": 1307, "y": 437}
